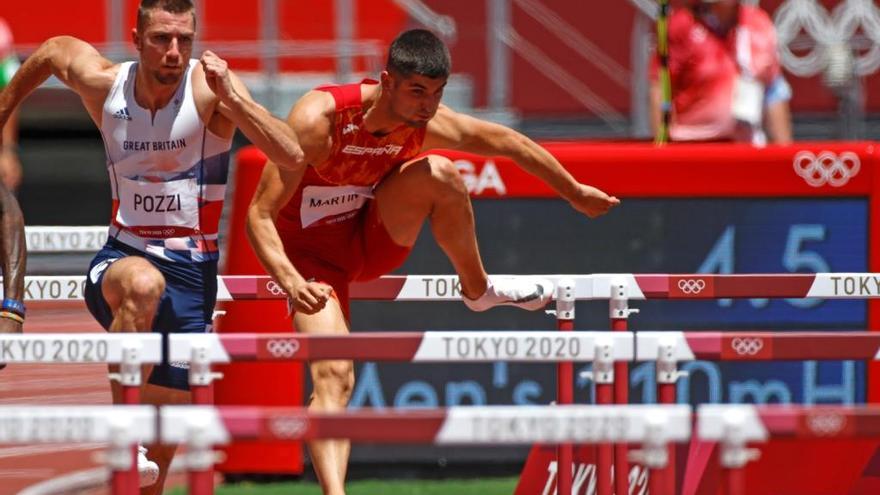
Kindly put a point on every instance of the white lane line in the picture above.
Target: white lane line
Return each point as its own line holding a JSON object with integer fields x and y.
{"x": 32, "y": 450}
{"x": 71, "y": 399}
{"x": 66, "y": 383}
{"x": 26, "y": 473}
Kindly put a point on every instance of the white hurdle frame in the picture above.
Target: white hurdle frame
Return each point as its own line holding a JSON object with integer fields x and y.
{"x": 202, "y": 428}
{"x": 122, "y": 427}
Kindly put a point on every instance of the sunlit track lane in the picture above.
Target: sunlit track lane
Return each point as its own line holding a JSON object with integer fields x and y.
{"x": 47, "y": 384}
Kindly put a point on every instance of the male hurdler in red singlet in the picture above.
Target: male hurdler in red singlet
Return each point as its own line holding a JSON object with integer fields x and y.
{"x": 355, "y": 211}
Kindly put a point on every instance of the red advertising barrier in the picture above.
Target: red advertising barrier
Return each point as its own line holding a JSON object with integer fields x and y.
{"x": 268, "y": 384}
{"x": 805, "y": 170}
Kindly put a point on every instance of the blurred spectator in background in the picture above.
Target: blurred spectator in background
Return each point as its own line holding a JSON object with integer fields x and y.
{"x": 10, "y": 168}
{"x": 726, "y": 76}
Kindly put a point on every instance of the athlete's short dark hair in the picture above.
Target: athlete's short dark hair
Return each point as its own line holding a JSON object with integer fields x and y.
{"x": 419, "y": 51}
{"x": 172, "y": 6}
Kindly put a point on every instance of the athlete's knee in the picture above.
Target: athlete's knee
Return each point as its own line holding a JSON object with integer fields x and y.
{"x": 334, "y": 377}
{"x": 143, "y": 286}
{"x": 445, "y": 174}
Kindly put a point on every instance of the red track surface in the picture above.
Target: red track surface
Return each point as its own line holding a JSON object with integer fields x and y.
{"x": 46, "y": 384}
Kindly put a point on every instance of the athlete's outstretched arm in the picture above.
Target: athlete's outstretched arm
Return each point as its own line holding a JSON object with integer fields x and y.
{"x": 75, "y": 62}
{"x": 12, "y": 255}
{"x": 277, "y": 186}
{"x": 269, "y": 133}
{"x": 451, "y": 130}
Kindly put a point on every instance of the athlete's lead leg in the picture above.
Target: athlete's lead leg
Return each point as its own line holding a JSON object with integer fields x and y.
{"x": 432, "y": 188}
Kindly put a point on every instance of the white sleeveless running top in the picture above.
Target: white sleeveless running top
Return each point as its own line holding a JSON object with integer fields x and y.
{"x": 167, "y": 173}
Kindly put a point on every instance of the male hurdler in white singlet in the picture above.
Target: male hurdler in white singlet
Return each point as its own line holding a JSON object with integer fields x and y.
{"x": 167, "y": 123}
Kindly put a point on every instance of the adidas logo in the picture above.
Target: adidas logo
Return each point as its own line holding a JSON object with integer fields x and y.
{"x": 122, "y": 114}
{"x": 348, "y": 129}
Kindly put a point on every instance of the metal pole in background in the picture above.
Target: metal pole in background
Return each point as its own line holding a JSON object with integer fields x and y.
{"x": 640, "y": 49}
{"x": 345, "y": 27}
{"x": 499, "y": 20}
{"x": 200, "y": 15}
{"x": 662, "y": 136}
{"x": 851, "y": 108}
{"x": 114, "y": 23}
{"x": 269, "y": 16}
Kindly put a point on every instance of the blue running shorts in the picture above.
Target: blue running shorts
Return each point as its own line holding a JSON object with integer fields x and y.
{"x": 186, "y": 306}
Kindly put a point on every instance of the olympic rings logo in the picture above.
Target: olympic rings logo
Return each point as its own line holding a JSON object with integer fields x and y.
{"x": 274, "y": 288}
{"x": 282, "y": 348}
{"x": 691, "y": 286}
{"x": 747, "y": 346}
{"x": 826, "y": 424}
{"x": 850, "y": 23}
{"x": 827, "y": 167}
{"x": 285, "y": 427}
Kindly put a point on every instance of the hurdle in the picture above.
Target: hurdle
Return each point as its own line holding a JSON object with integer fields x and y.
{"x": 22, "y": 424}
{"x": 618, "y": 289}
{"x": 201, "y": 428}
{"x": 654, "y": 427}
{"x": 735, "y": 426}
{"x": 129, "y": 351}
{"x": 202, "y": 350}
{"x": 120, "y": 426}
{"x": 668, "y": 349}
{"x": 64, "y": 239}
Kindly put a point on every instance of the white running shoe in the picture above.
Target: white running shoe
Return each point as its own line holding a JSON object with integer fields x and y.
{"x": 530, "y": 293}
{"x": 147, "y": 469}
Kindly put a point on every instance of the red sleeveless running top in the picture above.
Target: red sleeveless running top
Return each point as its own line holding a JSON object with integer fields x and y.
{"x": 333, "y": 192}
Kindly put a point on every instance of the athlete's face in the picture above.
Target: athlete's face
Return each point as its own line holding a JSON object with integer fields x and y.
{"x": 165, "y": 44}
{"x": 415, "y": 98}
{"x": 722, "y": 12}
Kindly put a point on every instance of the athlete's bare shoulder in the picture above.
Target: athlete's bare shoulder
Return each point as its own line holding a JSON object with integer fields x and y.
{"x": 81, "y": 67}
{"x": 446, "y": 129}
{"x": 312, "y": 118}
{"x": 96, "y": 85}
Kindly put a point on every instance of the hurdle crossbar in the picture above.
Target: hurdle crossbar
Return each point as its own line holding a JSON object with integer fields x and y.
{"x": 757, "y": 345}
{"x": 431, "y": 346}
{"x": 111, "y": 348}
{"x": 751, "y": 423}
{"x": 478, "y": 425}
{"x": 734, "y": 427}
{"x": 588, "y": 287}
{"x": 446, "y": 346}
{"x": 77, "y": 424}
{"x": 64, "y": 239}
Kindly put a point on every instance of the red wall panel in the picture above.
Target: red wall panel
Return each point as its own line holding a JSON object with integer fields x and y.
{"x": 53, "y": 17}
{"x": 532, "y": 91}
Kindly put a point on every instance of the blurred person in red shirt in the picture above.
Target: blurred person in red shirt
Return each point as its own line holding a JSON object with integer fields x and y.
{"x": 727, "y": 83}
{"x": 10, "y": 168}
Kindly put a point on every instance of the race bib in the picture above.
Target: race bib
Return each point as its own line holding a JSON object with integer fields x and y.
{"x": 169, "y": 204}
{"x": 748, "y": 100}
{"x": 332, "y": 203}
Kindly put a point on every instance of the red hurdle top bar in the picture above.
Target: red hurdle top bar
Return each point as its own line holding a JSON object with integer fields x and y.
{"x": 760, "y": 346}
{"x": 459, "y": 425}
{"x": 431, "y": 347}
{"x": 760, "y": 423}
{"x": 598, "y": 286}
{"x": 587, "y": 287}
